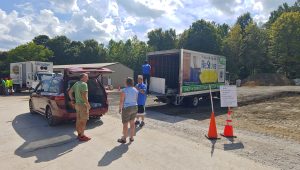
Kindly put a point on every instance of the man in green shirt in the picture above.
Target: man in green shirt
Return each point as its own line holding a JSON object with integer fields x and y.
{"x": 82, "y": 105}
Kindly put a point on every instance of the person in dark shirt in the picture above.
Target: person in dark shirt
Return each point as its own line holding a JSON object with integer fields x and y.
{"x": 146, "y": 74}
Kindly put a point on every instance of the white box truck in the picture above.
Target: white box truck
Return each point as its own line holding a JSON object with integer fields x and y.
{"x": 184, "y": 76}
{"x": 26, "y": 75}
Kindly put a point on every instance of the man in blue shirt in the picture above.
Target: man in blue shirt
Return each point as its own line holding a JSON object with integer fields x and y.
{"x": 142, "y": 96}
{"x": 146, "y": 74}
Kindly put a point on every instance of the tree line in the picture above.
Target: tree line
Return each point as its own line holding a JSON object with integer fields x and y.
{"x": 249, "y": 48}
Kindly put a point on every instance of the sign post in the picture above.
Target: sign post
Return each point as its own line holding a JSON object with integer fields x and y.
{"x": 228, "y": 94}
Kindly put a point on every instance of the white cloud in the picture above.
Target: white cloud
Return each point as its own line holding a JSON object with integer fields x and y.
{"x": 17, "y": 29}
{"x": 118, "y": 19}
{"x": 64, "y": 6}
{"x": 139, "y": 9}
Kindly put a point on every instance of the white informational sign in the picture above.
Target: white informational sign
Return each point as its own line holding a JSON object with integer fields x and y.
{"x": 228, "y": 96}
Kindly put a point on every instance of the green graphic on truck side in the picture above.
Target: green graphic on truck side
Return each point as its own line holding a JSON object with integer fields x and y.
{"x": 201, "y": 87}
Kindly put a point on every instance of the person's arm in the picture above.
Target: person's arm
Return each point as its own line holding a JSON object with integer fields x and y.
{"x": 84, "y": 96}
{"x": 143, "y": 89}
{"x": 137, "y": 87}
{"x": 70, "y": 93}
{"x": 122, "y": 98}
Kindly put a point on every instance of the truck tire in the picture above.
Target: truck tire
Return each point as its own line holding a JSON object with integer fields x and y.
{"x": 195, "y": 101}
{"x": 16, "y": 89}
{"x": 192, "y": 101}
{"x": 217, "y": 94}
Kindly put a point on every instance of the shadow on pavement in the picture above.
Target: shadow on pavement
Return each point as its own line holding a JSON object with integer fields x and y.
{"x": 213, "y": 143}
{"x": 114, "y": 154}
{"x": 44, "y": 142}
{"x": 233, "y": 146}
{"x": 180, "y": 113}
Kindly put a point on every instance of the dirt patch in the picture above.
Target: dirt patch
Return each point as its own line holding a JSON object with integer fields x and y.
{"x": 279, "y": 117}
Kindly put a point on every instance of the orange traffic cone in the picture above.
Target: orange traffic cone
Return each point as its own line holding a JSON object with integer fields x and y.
{"x": 228, "y": 129}
{"x": 212, "y": 131}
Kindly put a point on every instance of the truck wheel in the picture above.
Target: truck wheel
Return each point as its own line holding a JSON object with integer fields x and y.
{"x": 49, "y": 116}
{"x": 191, "y": 101}
{"x": 16, "y": 89}
{"x": 218, "y": 95}
{"x": 195, "y": 101}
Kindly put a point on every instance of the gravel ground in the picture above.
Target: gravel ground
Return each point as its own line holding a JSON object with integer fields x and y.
{"x": 267, "y": 124}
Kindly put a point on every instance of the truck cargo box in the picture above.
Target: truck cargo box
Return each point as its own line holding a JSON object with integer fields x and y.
{"x": 181, "y": 72}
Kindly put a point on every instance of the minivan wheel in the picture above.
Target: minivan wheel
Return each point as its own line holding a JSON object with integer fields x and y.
{"x": 31, "y": 107}
{"x": 49, "y": 116}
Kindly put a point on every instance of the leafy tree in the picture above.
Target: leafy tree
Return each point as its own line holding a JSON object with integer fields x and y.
{"x": 254, "y": 51}
{"x": 201, "y": 36}
{"x": 162, "y": 40}
{"x": 232, "y": 49}
{"x": 59, "y": 45}
{"x": 73, "y": 53}
{"x": 4, "y": 64}
{"x": 282, "y": 9}
{"x": 244, "y": 20}
{"x": 41, "y": 40}
{"x": 92, "y": 52}
{"x": 285, "y": 44}
{"x": 222, "y": 30}
{"x": 132, "y": 53}
{"x": 29, "y": 52}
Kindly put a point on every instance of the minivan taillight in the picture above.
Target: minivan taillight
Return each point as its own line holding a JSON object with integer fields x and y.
{"x": 57, "y": 98}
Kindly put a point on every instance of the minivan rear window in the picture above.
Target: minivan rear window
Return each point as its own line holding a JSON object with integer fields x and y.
{"x": 55, "y": 86}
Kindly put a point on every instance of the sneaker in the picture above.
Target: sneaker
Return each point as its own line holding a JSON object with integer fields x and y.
{"x": 137, "y": 122}
{"x": 121, "y": 140}
{"x": 142, "y": 124}
{"x": 84, "y": 138}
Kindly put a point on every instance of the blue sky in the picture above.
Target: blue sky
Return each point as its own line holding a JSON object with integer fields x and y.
{"x": 22, "y": 20}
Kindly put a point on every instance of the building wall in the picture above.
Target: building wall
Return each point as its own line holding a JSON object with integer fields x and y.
{"x": 121, "y": 72}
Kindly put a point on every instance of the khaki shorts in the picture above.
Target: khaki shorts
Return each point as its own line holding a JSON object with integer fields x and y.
{"x": 82, "y": 111}
{"x": 129, "y": 113}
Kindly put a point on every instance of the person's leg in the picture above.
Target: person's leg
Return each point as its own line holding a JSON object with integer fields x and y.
{"x": 137, "y": 120}
{"x": 125, "y": 130}
{"x": 84, "y": 116}
{"x": 148, "y": 83}
{"x": 144, "y": 78}
{"x": 132, "y": 129}
{"x": 78, "y": 125}
{"x": 133, "y": 114}
{"x": 78, "y": 128}
{"x": 83, "y": 126}
{"x": 143, "y": 118}
{"x": 142, "y": 110}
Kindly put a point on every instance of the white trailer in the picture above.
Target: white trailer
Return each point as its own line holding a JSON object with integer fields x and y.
{"x": 26, "y": 75}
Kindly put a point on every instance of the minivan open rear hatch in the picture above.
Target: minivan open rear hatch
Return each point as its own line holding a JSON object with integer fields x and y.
{"x": 93, "y": 72}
